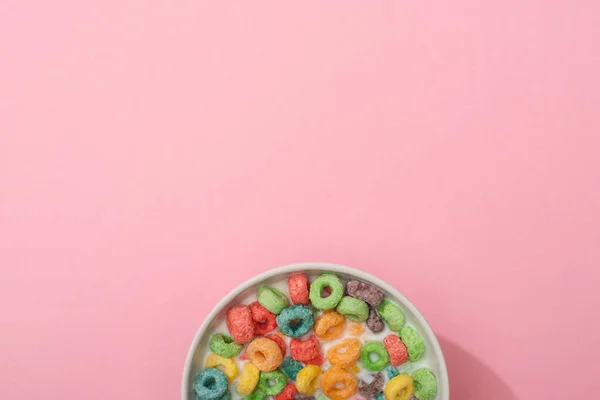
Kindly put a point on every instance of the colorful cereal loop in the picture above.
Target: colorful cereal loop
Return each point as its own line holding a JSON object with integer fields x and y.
{"x": 399, "y": 388}
{"x": 338, "y": 384}
{"x": 345, "y": 353}
{"x": 307, "y": 380}
{"x": 265, "y": 354}
{"x": 330, "y": 325}
{"x": 331, "y": 301}
{"x": 248, "y": 379}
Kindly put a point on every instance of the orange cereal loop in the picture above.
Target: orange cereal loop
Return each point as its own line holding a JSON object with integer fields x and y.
{"x": 338, "y": 384}
{"x": 356, "y": 329}
{"x": 345, "y": 353}
{"x": 265, "y": 354}
{"x": 330, "y": 325}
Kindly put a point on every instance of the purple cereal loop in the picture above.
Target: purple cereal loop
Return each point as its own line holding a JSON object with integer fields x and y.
{"x": 371, "y": 389}
{"x": 374, "y": 322}
{"x": 365, "y": 292}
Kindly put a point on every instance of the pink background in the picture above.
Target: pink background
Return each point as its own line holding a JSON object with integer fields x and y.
{"x": 450, "y": 147}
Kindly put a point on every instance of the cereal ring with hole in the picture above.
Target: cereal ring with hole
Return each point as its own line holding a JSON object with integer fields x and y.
{"x": 265, "y": 354}
{"x": 298, "y": 287}
{"x": 372, "y": 388}
{"x": 272, "y": 299}
{"x": 210, "y": 384}
{"x": 255, "y": 396}
{"x": 425, "y": 384}
{"x": 305, "y": 350}
{"x": 230, "y": 368}
{"x": 277, "y": 339}
{"x": 338, "y": 384}
{"x": 264, "y": 320}
{"x": 296, "y": 320}
{"x": 396, "y": 349}
{"x": 382, "y": 358}
{"x": 353, "y": 309}
{"x": 392, "y": 314}
{"x": 271, "y": 383}
{"x": 331, "y": 301}
{"x": 288, "y": 393}
{"x": 307, "y": 380}
{"x": 224, "y": 345}
{"x": 365, "y": 292}
{"x": 413, "y": 342}
{"x": 330, "y": 325}
{"x": 374, "y": 322}
{"x": 399, "y": 388}
{"x": 345, "y": 353}
{"x": 240, "y": 324}
{"x": 291, "y": 367}
{"x": 248, "y": 379}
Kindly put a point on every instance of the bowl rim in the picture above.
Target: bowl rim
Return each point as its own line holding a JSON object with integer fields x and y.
{"x": 285, "y": 269}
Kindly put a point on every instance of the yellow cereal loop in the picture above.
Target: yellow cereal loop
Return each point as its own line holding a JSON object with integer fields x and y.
{"x": 307, "y": 380}
{"x": 399, "y": 388}
{"x": 248, "y": 379}
{"x": 230, "y": 368}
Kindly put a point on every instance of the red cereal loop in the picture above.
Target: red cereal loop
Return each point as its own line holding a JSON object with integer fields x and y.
{"x": 264, "y": 320}
{"x": 298, "y": 287}
{"x": 396, "y": 349}
{"x": 240, "y": 324}
{"x": 288, "y": 392}
{"x": 277, "y": 339}
{"x": 318, "y": 360}
{"x": 305, "y": 350}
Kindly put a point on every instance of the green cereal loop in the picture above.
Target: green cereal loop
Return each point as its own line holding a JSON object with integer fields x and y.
{"x": 413, "y": 342}
{"x": 354, "y": 309}
{"x": 383, "y": 358}
{"x": 329, "y": 302}
{"x": 272, "y": 299}
{"x": 266, "y": 378}
{"x": 224, "y": 345}
{"x": 379, "y": 396}
{"x": 425, "y": 384}
{"x": 392, "y": 314}
{"x": 255, "y": 396}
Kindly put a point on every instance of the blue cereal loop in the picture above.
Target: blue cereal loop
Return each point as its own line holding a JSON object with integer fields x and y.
{"x": 298, "y": 313}
{"x": 210, "y": 384}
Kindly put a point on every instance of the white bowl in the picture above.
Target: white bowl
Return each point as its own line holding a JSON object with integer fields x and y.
{"x": 249, "y": 289}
